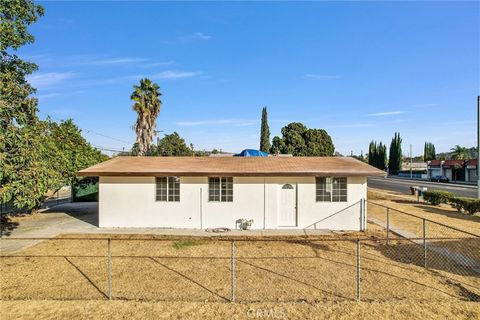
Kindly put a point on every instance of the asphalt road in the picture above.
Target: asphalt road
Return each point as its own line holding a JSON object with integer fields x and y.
{"x": 403, "y": 186}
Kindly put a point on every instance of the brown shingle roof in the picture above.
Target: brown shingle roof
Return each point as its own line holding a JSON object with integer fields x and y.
{"x": 234, "y": 166}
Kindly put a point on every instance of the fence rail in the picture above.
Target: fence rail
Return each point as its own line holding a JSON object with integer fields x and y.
{"x": 239, "y": 269}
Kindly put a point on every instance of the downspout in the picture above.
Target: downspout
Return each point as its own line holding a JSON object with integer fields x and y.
{"x": 264, "y": 204}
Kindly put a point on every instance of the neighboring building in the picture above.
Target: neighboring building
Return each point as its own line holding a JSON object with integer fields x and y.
{"x": 455, "y": 170}
{"x": 205, "y": 192}
{"x": 471, "y": 170}
{"x": 418, "y": 170}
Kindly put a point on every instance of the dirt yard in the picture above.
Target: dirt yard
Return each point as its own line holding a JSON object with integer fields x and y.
{"x": 311, "y": 271}
{"x": 59, "y": 310}
{"x": 444, "y": 214}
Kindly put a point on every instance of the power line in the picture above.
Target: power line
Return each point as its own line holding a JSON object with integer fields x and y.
{"x": 104, "y": 135}
{"x": 107, "y": 149}
{"x": 91, "y": 131}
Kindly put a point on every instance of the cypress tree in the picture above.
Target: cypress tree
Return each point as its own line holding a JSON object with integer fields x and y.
{"x": 395, "y": 156}
{"x": 264, "y": 132}
{"x": 429, "y": 151}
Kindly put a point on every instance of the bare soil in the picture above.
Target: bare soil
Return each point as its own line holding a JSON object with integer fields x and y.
{"x": 36, "y": 310}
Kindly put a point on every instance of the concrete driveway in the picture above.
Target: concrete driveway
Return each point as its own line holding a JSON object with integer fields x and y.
{"x": 79, "y": 217}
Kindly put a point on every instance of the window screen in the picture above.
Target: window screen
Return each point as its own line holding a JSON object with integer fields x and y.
{"x": 331, "y": 189}
{"x": 339, "y": 190}
{"x": 324, "y": 189}
{"x": 220, "y": 189}
{"x": 168, "y": 188}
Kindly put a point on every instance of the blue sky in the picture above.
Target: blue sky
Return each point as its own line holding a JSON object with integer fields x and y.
{"x": 360, "y": 70}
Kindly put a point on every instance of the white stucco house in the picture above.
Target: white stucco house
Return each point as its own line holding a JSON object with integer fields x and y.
{"x": 206, "y": 192}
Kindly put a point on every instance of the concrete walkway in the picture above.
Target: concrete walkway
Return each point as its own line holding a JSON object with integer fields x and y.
{"x": 75, "y": 218}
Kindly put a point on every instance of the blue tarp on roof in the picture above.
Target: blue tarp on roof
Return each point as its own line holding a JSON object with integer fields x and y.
{"x": 251, "y": 153}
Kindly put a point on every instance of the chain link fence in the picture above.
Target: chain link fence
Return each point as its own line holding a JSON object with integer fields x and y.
{"x": 240, "y": 270}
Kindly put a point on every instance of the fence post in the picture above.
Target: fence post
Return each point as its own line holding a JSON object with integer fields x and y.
{"x": 233, "y": 271}
{"x": 109, "y": 269}
{"x": 424, "y": 243}
{"x": 388, "y": 224}
{"x": 358, "y": 270}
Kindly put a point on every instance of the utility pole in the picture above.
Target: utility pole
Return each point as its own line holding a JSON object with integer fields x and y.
{"x": 478, "y": 147}
{"x": 411, "y": 174}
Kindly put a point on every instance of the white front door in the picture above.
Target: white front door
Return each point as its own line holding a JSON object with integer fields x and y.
{"x": 288, "y": 206}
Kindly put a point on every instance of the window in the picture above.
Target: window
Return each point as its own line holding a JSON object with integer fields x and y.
{"x": 168, "y": 189}
{"x": 331, "y": 189}
{"x": 220, "y": 189}
{"x": 339, "y": 190}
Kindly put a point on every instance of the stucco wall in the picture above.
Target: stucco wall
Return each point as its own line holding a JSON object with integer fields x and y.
{"x": 130, "y": 202}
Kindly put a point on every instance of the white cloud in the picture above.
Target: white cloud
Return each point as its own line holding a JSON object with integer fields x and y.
{"x": 320, "y": 76}
{"x": 389, "y": 113}
{"x": 49, "y": 79}
{"x": 114, "y": 61}
{"x": 172, "y": 74}
{"x": 201, "y": 36}
{"x": 234, "y": 122}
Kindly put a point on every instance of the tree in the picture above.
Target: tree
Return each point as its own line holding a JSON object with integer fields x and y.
{"x": 429, "y": 152}
{"x": 299, "y": 140}
{"x": 171, "y": 145}
{"x": 460, "y": 153}
{"x": 35, "y": 156}
{"x": 377, "y": 155}
{"x": 265, "y": 132}
{"x": 146, "y": 97}
{"x": 395, "y": 157}
{"x": 22, "y": 176}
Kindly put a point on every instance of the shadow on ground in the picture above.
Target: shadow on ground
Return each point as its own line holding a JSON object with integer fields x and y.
{"x": 84, "y": 211}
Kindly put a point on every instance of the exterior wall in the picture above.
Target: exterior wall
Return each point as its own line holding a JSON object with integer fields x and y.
{"x": 130, "y": 202}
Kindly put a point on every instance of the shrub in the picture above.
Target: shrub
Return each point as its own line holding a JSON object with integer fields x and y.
{"x": 436, "y": 197}
{"x": 468, "y": 205}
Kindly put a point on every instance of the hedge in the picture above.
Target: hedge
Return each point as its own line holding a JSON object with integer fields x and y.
{"x": 468, "y": 205}
{"x": 465, "y": 204}
{"x": 436, "y": 197}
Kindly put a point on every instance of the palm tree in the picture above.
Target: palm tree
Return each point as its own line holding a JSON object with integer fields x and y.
{"x": 459, "y": 152}
{"x": 146, "y": 97}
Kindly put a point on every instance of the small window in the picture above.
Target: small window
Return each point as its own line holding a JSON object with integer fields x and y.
{"x": 324, "y": 189}
{"x": 331, "y": 189}
{"x": 287, "y": 186}
{"x": 339, "y": 190}
{"x": 220, "y": 189}
{"x": 167, "y": 189}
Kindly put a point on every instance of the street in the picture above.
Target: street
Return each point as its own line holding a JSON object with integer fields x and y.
{"x": 403, "y": 186}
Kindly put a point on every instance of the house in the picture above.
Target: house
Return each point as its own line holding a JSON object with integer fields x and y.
{"x": 455, "y": 170}
{"x": 205, "y": 192}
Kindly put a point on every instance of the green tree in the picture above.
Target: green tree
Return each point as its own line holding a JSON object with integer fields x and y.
{"x": 395, "y": 158}
{"x": 265, "y": 132}
{"x": 35, "y": 155}
{"x": 146, "y": 97}
{"x": 171, "y": 145}
{"x": 22, "y": 176}
{"x": 459, "y": 152}
{"x": 377, "y": 155}
{"x": 429, "y": 152}
{"x": 299, "y": 140}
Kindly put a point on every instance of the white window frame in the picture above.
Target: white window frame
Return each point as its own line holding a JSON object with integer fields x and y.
{"x": 172, "y": 194}
{"x": 329, "y": 188}
{"x": 223, "y": 195}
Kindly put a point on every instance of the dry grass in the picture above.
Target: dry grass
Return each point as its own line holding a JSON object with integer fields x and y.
{"x": 36, "y": 310}
{"x": 277, "y": 271}
{"x": 443, "y": 214}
